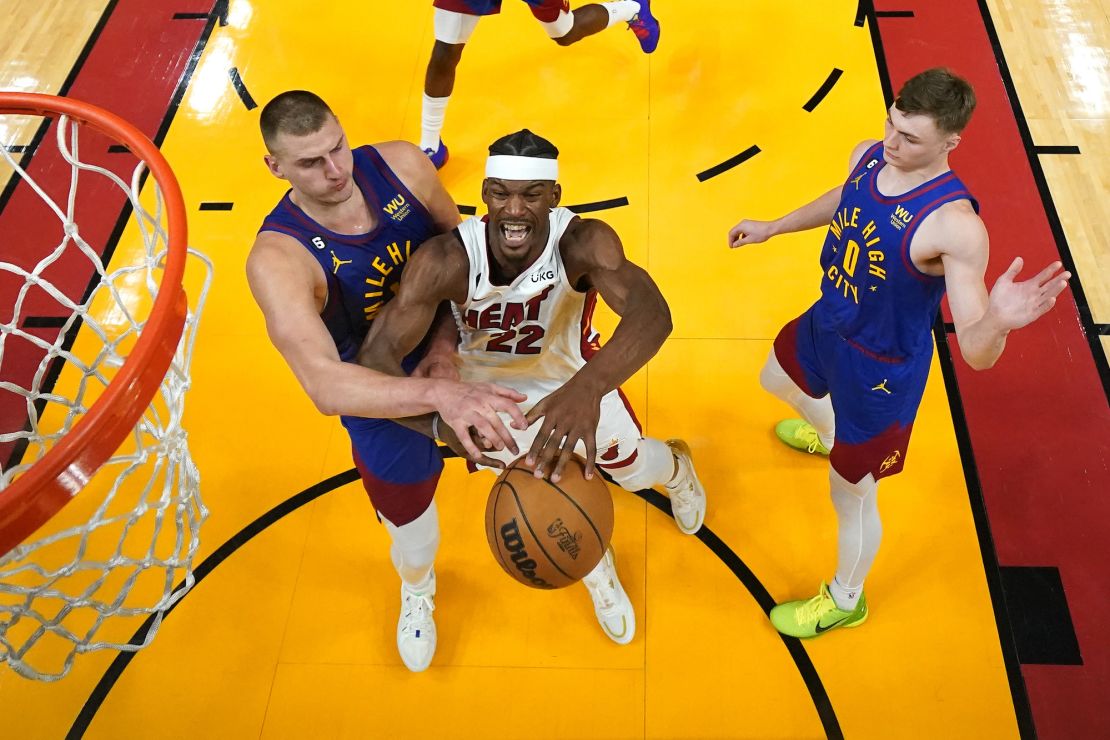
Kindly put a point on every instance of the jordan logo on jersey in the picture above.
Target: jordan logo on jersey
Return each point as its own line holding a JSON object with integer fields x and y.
{"x": 398, "y": 208}
{"x": 336, "y": 263}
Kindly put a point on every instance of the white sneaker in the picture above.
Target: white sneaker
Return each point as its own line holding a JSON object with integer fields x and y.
{"x": 611, "y": 604}
{"x": 416, "y": 630}
{"x": 685, "y": 491}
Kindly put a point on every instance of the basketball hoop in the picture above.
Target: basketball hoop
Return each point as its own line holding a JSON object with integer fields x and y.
{"x": 94, "y": 362}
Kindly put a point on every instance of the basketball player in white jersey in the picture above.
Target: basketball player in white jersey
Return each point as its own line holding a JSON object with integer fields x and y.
{"x": 522, "y": 285}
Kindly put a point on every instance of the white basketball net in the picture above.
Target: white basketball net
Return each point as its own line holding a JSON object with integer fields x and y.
{"x": 114, "y": 555}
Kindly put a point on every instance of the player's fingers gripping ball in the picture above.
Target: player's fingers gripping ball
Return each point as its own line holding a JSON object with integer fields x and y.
{"x": 544, "y": 534}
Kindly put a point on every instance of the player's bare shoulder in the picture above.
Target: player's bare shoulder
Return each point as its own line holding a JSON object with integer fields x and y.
{"x": 954, "y": 230}
{"x": 589, "y": 243}
{"x": 408, "y": 162}
{"x": 858, "y": 151}
{"x": 277, "y": 257}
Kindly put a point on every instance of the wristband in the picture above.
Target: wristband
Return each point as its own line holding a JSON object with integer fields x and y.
{"x": 435, "y": 427}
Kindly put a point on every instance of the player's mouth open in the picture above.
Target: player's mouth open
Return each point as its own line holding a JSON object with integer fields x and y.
{"x": 515, "y": 234}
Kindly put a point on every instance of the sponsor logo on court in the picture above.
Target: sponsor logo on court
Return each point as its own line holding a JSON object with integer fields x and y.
{"x": 567, "y": 540}
{"x": 514, "y": 543}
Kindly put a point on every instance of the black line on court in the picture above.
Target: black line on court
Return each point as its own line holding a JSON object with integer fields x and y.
{"x": 743, "y": 573}
{"x": 190, "y": 16}
{"x": 1086, "y": 319}
{"x": 467, "y": 210}
{"x": 861, "y": 13}
{"x": 894, "y": 13}
{"x": 16, "y": 148}
{"x": 949, "y": 327}
{"x": 1056, "y": 150}
{"x": 600, "y": 205}
{"x": 220, "y": 11}
{"x": 118, "y": 149}
{"x": 222, "y": 553}
{"x": 729, "y": 163}
{"x": 216, "y": 206}
{"x": 241, "y": 89}
{"x": 1018, "y": 693}
{"x": 759, "y": 593}
{"x": 45, "y": 322}
{"x": 1102, "y": 329}
{"x": 825, "y": 89}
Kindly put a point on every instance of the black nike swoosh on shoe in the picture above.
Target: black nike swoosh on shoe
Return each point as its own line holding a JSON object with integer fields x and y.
{"x": 819, "y": 629}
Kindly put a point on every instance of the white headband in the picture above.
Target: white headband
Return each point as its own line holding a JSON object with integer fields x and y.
{"x": 510, "y": 167}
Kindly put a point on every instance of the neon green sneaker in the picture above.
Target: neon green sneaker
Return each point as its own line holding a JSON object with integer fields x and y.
{"x": 800, "y": 435}
{"x": 816, "y": 616}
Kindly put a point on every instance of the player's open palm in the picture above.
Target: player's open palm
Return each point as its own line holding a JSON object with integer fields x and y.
{"x": 1019, "y": 304}
{"x": 569, "y": 417}
{"x": 471, "y": 410}
{"x": 749, "y": 232}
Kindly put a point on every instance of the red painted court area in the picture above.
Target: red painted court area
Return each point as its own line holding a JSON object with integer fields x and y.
{"x": 1038, "y": 421}
{"x": 132, "y": 67}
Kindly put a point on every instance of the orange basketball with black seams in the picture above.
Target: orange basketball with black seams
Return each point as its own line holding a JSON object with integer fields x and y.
{"x": 548, "y": 535}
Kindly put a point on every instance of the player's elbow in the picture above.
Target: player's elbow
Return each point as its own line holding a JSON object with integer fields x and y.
{"x": 980, "y": 363}
{"x": 324, "y": 398}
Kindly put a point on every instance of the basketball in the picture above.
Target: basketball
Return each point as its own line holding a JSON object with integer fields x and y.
{"x": 548, "y": 535}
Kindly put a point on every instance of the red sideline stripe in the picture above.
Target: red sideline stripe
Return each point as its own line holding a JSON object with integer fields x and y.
{"x": 1039, "y": 420}
{"x": 117, "y": 76}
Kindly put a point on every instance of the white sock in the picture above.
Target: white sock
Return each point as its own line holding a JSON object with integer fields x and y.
{"x": 431, "y": 121}
{"x": 621, "y": 11}
{"x": 859, "y": 533}
{"x": 845, "y": 598}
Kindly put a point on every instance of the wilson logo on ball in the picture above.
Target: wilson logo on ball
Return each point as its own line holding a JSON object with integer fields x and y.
{"x": 514, "y": 543}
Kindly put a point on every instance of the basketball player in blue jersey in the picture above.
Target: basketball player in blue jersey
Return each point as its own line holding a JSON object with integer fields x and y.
{"x": 522, "y": 285}
{"x": 455, "y": 21}
{"x": 902, "y": 230}
{"x": 325, "y": 262}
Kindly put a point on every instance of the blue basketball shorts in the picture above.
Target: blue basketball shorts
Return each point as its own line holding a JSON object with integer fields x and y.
{"x": 875, "y": 399}
{"x": 399, "y": 467}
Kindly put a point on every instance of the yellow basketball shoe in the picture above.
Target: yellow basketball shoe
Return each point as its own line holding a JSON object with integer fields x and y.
{"x": 800, "y": 435}
{"x": 611, "y": 604}
{"x": 816, "y": 616}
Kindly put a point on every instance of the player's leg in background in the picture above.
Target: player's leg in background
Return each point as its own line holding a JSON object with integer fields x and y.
{"x": 566, "y": 27}
{"x": 452, "y": 31}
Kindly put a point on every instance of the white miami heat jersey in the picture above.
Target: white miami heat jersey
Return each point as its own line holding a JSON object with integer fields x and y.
{"x": 532, "y": 334}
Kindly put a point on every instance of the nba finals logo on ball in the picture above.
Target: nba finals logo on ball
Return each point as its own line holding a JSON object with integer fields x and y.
{"x": 548, "y": 535}
{"x": 567, "y": 540}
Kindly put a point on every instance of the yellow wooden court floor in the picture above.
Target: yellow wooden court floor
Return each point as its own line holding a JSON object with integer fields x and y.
{"x": 292, "y": 636}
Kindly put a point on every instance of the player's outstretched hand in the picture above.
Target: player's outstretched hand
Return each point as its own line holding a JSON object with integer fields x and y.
{"x": 463, "y": 406}
{"x": 1018, "y": 304}
{"x": 569, "y": 417}
{"x": 749, "y": 232}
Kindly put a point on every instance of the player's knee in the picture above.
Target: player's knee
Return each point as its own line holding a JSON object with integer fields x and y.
{"x": 446, "y": 55}
{"x": 652, "y": 465}
{"x": 861, "y": 489}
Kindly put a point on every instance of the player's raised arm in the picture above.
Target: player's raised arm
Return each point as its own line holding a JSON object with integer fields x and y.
{"x": 815, "y": 214}
{"x": 982, "y": 320}
{"x": 594, "y": 257}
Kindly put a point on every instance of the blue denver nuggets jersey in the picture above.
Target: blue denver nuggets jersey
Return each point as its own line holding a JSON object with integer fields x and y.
{"x": 871, "y": 292}
{"x": 362, "y": 270}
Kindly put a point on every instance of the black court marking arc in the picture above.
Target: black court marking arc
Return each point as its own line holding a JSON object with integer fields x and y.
{"x": 894, "y": 13}
{"x": 241, "y": 88}
{"x": 729, "y": 163}
{"x": 825, "y": 89}
{"x": 45, "y": 322}
{"x": 216, "y": 206}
